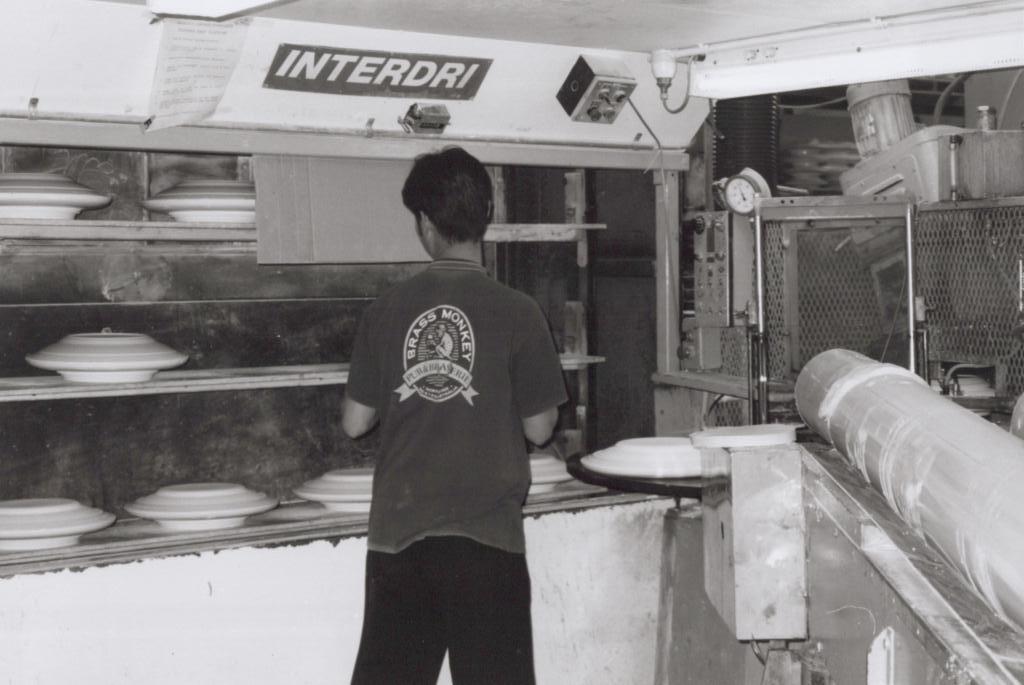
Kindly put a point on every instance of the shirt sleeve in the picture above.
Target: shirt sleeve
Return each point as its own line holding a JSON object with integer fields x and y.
{"x": 364, "y": 371}
{"x": 536, "y": 371}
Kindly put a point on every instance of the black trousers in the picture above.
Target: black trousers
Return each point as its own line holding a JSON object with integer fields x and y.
{"x": 446, "y": 593}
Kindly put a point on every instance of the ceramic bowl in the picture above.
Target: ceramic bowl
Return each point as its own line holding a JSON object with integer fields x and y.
{"x": 764, "y": 435}
{"x": 652, "y": 457}
{"x": 201, "y": 506}
{"x": 546, "y": 473}
{"x": 106, "y": 357}
{"x": 26, "y": 195}
{"x": 207, "y": 201}
{"x": 343, "y": 490}
{"x": 45, "y": 523}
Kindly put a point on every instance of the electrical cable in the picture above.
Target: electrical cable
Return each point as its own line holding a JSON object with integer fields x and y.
{"x": 1009, "y": 92}
{"x": 895, "y": 317}
{"x": 671, "y": 275}
{"x": 686, "y": 93}
{"x": 940, "y": 104}
{"x": 814, "y": 105}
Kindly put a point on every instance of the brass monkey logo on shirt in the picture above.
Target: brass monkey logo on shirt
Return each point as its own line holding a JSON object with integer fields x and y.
{"x": 438, "y": 356}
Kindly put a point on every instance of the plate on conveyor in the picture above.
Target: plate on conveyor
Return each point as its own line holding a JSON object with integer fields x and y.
{"x": 209, "y": 200}
{"x": 762, "y": 435}
{"x": 46, "y": 523}
{"x": 26, "y": 195}
{"x": 342, "y": 490}
{"x": 201, "y": 506}
{"x": 653, "y": 457}
{"x": 546, "y": 473}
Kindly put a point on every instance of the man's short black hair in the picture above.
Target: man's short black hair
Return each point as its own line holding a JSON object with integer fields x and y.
{"x": 453, "y": 190}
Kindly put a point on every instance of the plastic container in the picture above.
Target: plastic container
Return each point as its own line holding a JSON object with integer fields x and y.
{"x": 881, "y": 114}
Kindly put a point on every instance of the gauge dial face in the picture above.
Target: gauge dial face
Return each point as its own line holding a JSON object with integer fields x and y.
{"x": 739, "y": 195}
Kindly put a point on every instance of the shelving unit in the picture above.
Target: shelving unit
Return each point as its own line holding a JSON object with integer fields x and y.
{"x": 38, "y": 388}
{"x": 172, "y": 231}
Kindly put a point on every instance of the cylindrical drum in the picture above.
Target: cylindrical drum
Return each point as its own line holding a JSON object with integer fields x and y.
{"x": 881, "y": 114}
{"x": 955, "y": 478}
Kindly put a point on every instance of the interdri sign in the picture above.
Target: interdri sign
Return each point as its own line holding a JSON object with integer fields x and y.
{"x": 345, "y": 71}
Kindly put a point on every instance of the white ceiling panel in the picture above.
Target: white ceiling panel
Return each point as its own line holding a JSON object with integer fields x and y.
{"x": 638, "y": 25}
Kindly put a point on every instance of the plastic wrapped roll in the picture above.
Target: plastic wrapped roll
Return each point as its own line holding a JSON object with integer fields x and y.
{"x": 951, "y": 475}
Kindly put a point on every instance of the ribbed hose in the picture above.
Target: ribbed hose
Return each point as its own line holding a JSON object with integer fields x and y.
{"x": 747, "y": 136}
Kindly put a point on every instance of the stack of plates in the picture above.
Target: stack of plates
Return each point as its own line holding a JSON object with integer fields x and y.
{"x": 106, "y": 357}
{"x": 664, "y": 457}
{"x": 208, "y": 200}
{"x": 546, "y": 472}
{"x": 345, "y": 490}
{"x": 764, "y": 435}
{"x": 27, "y": 524}
{"x": 817, "y": 165}
{"x": 45, "y": 196}
{"x": 201, "y": 506}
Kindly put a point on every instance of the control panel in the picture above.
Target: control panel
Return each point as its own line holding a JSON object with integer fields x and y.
{"x": 596, "y": 89}
{"x": 712, "y": 281}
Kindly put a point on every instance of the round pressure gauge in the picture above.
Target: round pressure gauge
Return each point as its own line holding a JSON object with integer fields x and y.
{"x": 739, "y": 191}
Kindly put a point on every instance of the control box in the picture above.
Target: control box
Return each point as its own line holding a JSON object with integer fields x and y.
{"x": 712, "y": 269}
{"x": 596, "y": 89}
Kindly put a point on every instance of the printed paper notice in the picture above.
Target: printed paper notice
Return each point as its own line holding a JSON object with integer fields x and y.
{"x": 193, "y": 67}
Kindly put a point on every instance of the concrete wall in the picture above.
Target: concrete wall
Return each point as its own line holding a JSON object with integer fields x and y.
{"x": 293, "y": 614}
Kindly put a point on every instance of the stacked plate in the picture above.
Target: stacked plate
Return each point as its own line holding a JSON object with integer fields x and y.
{"x": 661, "y": 457}
{"x": 201, "y": 506}
{"x": 817, "y": 165}
{"x": 546, "y": 472}
{"x": 208, "y": 201}
{"x": 45, "y": 196}
{"x": 764, "y": 435}
{"x": 344, "y": 490}
{"x": 45, "y": 523}
{"x": 106, "y": 357}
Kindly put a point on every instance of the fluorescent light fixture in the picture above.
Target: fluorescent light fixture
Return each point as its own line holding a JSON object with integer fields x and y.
{"x": 208, "y": 9}
{"x": 878, "y": 50}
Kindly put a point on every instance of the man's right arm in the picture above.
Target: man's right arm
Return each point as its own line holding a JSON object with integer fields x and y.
{"x": 538, "y": 428}
{"x": 357, "y": 418}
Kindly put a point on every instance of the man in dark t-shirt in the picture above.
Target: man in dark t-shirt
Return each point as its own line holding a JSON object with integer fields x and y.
{"x": 460, "y": 371}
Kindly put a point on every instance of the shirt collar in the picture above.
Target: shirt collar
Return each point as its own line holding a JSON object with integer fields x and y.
{"x": 456, "y": 265}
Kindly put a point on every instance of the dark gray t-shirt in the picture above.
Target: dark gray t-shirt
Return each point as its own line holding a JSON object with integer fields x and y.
{"x": 453, "y": 361}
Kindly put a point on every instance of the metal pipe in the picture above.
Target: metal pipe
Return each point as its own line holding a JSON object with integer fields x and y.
{"x": 911, "y": 325}
{"x": 762, "y": 343}
{"x": 952, "y": 476}
{"x": 954, "y": 163}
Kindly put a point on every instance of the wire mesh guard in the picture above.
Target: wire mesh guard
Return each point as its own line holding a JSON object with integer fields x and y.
{"x": 967, "y": 263}
{"x": 849, "y": 291}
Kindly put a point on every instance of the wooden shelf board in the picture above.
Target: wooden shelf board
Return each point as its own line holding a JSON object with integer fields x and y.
{"x": 173, "y": 231}
{"x": 45, "y": 229}
{"x": 522, "y": 233}
{"x": 200, "y": 380}
{"x": 29, "y": 388}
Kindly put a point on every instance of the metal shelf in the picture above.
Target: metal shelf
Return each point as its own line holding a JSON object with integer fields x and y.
{"x": 173, "y": 231}
{"x": 36, "y": 388}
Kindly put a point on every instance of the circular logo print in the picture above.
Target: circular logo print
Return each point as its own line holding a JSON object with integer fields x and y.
{"x": 438, "y": 356}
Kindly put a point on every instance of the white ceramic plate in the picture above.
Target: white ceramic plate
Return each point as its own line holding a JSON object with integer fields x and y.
{"x": 340, "y": 490}
{"x": 45, "y": 196}
{"x": 201, "y": 506}
{"x": 106, "y": 357}
{"x": 745, "y": 436}
{"x": 546, "y": 473}
{"x": 685, "y": 463}
{"x": 208, "y": 200}
{"x": 45, "y": 523}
